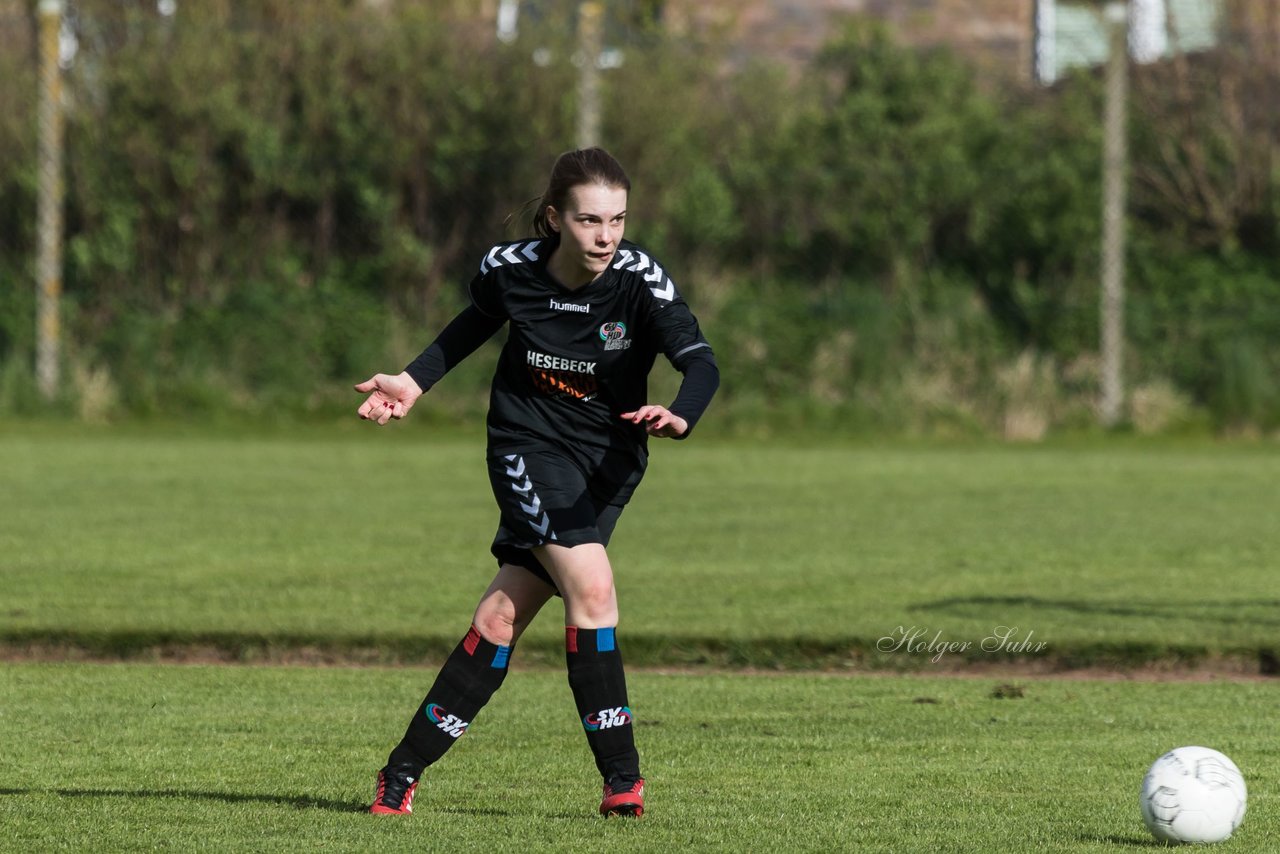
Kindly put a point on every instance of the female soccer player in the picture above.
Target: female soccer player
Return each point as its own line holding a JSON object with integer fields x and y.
{"x": 568, "y": 424}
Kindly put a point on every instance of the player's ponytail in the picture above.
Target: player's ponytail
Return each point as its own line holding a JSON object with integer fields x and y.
{"x": 585, "y": 166}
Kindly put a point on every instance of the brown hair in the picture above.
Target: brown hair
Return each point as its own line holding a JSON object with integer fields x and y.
{"x": 575, "y": 169}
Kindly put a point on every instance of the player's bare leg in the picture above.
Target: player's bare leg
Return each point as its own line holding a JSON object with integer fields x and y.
{"x": 470, "y": 676}
{"x": 585, "y": 580}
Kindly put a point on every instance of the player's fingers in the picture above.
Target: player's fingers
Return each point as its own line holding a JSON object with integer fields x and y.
{"x": 659, "y": 427}
{"x": 368, "y": 385}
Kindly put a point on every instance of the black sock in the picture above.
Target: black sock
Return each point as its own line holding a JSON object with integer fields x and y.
{"x": 473, "y": 671}
{"x": 600, "y": 691}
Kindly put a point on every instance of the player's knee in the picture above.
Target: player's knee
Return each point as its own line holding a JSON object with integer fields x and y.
{"x": 496, "y": 623}
{"x": 597, "y": 601}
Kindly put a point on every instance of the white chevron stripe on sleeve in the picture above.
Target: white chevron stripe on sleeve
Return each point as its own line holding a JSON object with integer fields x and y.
{"x": 490, "y": 260}
{"x": 516, "y": 253}
{"x": 668, "y": 293}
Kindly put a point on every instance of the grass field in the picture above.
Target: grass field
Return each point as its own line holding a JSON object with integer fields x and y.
{"x": 211, "y": 758}
{"x": 370, "y": 546}
{"x": 377, "y": 541}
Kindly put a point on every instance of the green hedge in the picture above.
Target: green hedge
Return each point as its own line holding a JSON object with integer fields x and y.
{"x": 267, "y": 203}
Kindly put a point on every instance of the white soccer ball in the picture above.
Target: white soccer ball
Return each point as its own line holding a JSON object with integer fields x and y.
{"x": 1193, "y": 794}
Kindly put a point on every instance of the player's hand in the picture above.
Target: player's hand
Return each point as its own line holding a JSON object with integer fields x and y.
{"x": 392, "y": 397}
{"x": 658, "y": 421}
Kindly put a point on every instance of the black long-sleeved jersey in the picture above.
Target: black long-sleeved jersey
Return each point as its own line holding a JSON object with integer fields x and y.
{"x": 575, "y": 359}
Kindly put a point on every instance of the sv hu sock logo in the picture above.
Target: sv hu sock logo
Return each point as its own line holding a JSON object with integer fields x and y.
{"x": 607, "y": 718}
{"x": 451, "y": 724}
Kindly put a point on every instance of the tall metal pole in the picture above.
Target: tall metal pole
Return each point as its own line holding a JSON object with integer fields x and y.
{"x": 590, "y": 29}
{"x": 1114, "y": 169}
{"x": 49, "y": 204}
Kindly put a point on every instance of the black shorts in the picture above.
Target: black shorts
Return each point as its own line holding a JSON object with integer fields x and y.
{"x": 547, "y": 497}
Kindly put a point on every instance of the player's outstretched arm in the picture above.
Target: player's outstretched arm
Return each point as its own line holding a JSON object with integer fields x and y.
{"x": 390, "y": 397}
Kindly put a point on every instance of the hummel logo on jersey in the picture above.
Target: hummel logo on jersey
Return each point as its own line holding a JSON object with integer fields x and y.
{"x": 607, "y": 718}
{"x": 451, "y": 724}
{"x": 569, "y": 306}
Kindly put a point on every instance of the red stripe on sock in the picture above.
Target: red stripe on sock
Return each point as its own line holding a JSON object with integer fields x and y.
{"x": 571, "y": 638}
{"x": 471, "y": 641}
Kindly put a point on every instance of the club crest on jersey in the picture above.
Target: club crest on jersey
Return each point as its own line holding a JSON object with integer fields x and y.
{"x": 614, "y": 335}
{"x": 607, "y": 718}
{"x": 451, "y": 724}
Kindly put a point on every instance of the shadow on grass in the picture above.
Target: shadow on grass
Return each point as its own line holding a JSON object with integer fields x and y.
{"x": 482, "y": 812}
{"x": 1230, "y": 611}
{"x": 789, "y": 652}
{"x": 474, "y": 811}
{"x": 301, "y": 802}
{"x": 1118, "y": 839}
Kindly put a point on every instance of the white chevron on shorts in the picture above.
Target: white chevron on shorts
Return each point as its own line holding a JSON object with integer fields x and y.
{"x": 538, "y": 518}
{"x": 502, "y": 256}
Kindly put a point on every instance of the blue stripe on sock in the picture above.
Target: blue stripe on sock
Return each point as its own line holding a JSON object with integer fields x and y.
{"x": 500, "y": 657}
{"x": 605, "y": 641}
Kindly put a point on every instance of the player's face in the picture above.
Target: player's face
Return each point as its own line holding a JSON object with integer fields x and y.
{"x": 590, "y": 229}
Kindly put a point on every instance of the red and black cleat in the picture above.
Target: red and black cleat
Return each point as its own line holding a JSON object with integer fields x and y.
{"x": 396, "y": 785}
{"x": 623, "y": 797}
